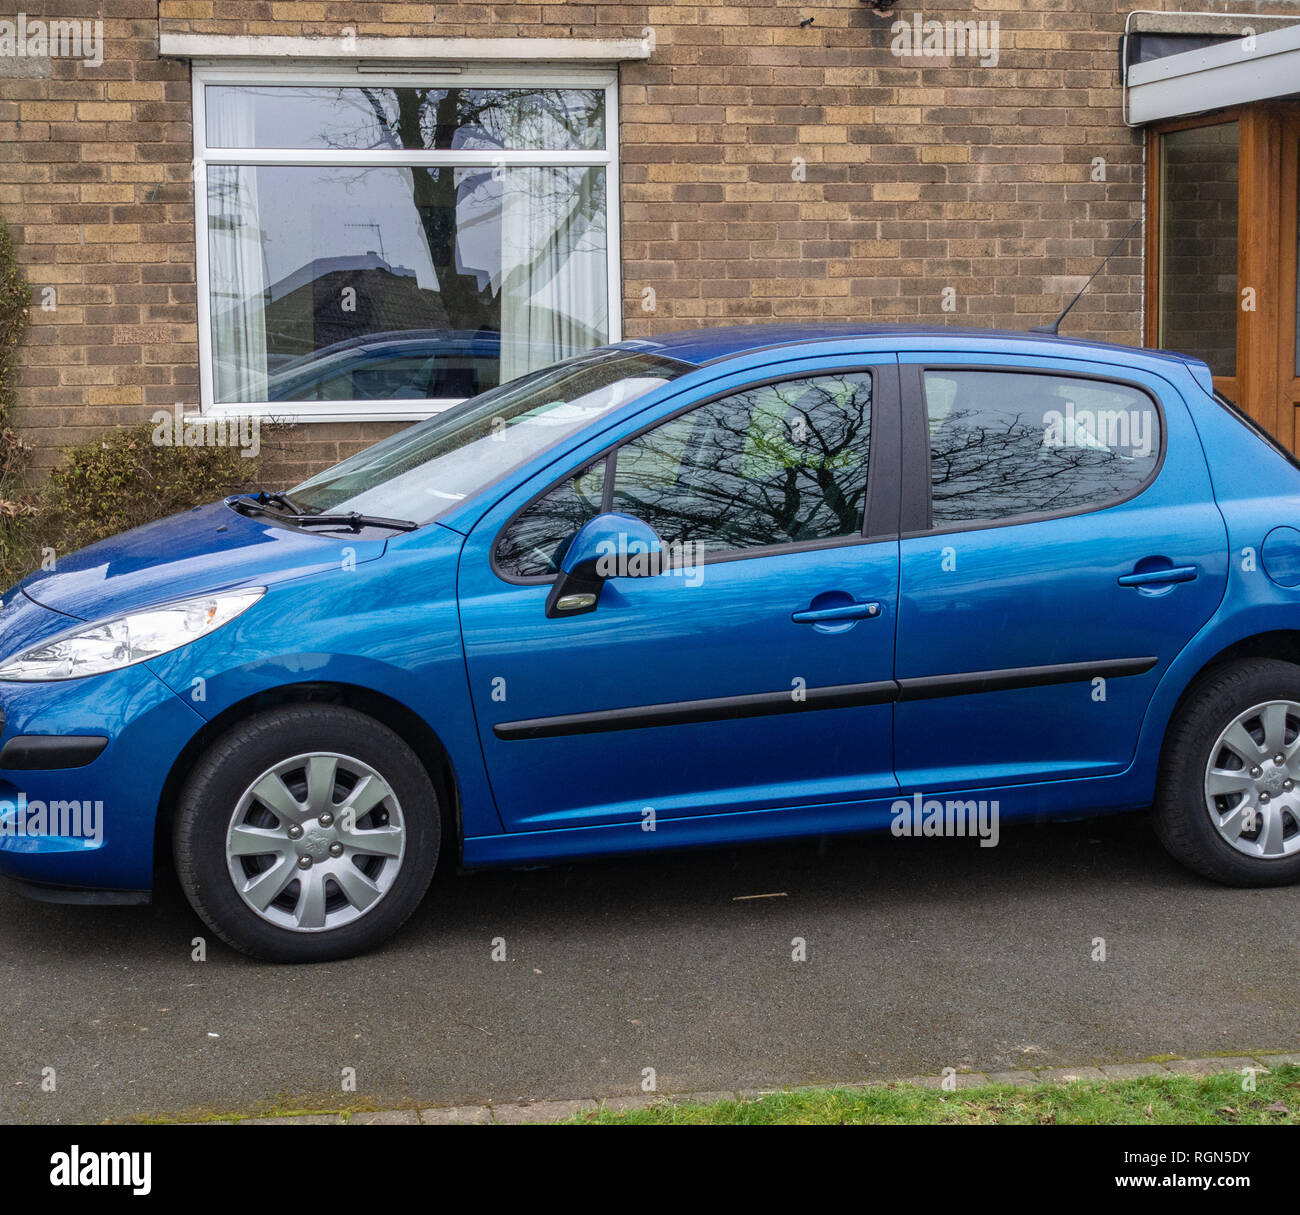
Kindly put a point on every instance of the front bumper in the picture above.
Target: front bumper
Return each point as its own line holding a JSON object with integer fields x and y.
{"x": 88, "y": 828}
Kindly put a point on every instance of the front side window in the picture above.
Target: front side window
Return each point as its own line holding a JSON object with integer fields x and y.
{"x": 1005, "y": 444}
{"x": 782, "y": 463}
{"x": 533, "y": 544}
{"x": 403, "y": 244}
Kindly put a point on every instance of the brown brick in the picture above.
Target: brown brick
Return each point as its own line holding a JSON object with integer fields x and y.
{"x": 916, "y": 172}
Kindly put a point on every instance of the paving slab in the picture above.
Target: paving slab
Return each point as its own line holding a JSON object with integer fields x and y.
{"x": 295, "y": 1120}
{"x": 1209, "y": 1067}
{"x": 1133, "y": 1071}
{"x": 541, "y": 1111}
{"x": 1068, "y": 1075}
{"x": 457, "y": 1115}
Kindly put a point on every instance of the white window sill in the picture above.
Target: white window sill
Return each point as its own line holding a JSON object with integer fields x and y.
{"x": 395, "y": 50}
{"x": 332, "y": 411}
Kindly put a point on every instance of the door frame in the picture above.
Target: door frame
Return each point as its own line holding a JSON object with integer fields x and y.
{"x": 916, "y": 507}
{"x": 880, "y": 514}
{"x": 1266, "y": 384}
{"x": 1289, "y": 269}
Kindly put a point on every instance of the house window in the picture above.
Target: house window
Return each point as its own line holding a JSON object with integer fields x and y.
{"x": 1199, "y": 180}
{"x": 379, "y": 247}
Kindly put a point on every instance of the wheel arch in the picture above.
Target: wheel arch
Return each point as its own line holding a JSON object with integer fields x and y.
{"x": 404, "y": 722}
{"x": 1264, "y": 642}
{"x": 1278, "y": 643}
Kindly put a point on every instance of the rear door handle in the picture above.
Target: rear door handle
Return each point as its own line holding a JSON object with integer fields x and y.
{"x": 1172, "y": 573}
{"x": 852, "y": 611}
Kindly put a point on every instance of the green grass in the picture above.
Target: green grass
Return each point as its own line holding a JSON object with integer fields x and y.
{"x": 1180, "y": 1100}
{"x": 1169, "y": 1099}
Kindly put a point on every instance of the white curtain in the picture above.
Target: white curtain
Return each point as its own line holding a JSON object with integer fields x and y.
{"x": 237, "y": 278}
{"x": 554, "y": 283}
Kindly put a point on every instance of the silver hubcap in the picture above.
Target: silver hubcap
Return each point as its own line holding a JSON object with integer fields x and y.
{"x": 1252, "y": 782}
{"x": 315, "y": 842}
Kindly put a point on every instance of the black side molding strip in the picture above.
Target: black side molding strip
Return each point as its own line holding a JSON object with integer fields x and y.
{"x": 684, "y": 712}
{"x": 928, "y": 687}
{"x": 840, "y": 696}
{"x": 28, "y": 752}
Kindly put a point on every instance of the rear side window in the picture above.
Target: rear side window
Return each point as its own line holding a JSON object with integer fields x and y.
{"x": 1007, "y": 444}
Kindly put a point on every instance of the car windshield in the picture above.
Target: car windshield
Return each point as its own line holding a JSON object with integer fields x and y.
{"x": 422, "y": 472}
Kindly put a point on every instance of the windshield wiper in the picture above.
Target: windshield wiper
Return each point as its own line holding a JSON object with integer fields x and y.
{"x": 353, "y": 519}
{"x": 265, "y": 497}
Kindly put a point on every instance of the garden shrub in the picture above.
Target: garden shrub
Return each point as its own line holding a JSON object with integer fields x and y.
{"x": 123, "y": 479}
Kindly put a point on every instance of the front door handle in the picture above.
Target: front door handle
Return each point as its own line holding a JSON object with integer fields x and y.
{"x": 851, "y": 611}
{"x": 1159, "y": 577}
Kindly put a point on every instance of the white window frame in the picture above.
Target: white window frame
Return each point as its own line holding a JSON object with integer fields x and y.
{"x": 325, "y": 75}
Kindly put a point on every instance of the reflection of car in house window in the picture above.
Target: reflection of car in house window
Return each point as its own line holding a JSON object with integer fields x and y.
{"x": 399, "y": 242}
{"x": 406, "y": 365}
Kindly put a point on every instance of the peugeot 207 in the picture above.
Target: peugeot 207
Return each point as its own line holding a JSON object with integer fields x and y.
{"x": 738, "y": 584}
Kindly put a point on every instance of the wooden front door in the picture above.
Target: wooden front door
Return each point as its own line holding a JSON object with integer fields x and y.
{"x": 1222, "y": 253}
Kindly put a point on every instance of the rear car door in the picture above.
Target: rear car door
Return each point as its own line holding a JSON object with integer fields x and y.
{"x": 1060, "y": 546}
{"x": 758, "y": 676}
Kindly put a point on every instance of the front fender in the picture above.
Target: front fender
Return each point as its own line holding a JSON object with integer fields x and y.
{"x": 390, "y": 626}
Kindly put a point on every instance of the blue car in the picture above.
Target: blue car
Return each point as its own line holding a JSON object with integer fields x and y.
{"x": 737, "y": 584}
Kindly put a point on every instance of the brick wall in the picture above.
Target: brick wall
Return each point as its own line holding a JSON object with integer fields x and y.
{"x": 930, "y": 189}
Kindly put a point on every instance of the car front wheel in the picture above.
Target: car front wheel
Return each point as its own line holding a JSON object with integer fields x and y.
{"x": 306, "y": 833}
{"x": 1228, "y": 802}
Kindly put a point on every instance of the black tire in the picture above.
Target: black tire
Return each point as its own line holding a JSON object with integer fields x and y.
{"x": 1181, "y": 816}
{"x": 237, "y": 759}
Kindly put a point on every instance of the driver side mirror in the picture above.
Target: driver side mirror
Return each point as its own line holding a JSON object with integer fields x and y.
{"x": 608, "y": 546}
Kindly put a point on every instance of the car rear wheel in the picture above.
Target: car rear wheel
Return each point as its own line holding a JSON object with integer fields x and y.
{"x": 1228, "y": 802}
{"x": 306, "y": 833}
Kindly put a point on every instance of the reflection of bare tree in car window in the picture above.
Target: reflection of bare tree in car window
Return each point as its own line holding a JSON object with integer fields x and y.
{"x": 535, "y": 541}
{"x": 782, "y": 463}
{"x": 1005, "y": 444}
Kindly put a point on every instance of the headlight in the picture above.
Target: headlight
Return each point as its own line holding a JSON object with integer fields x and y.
{"x": 129, "y": 639}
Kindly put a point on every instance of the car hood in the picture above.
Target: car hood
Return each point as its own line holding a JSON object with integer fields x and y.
{"x": 206, "y": 549}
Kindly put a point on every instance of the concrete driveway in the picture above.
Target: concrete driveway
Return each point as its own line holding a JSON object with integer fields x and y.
{"x": 920, "y": 954}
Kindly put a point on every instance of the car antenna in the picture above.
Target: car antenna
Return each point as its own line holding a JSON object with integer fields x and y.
{"x": 1055, "y": 327}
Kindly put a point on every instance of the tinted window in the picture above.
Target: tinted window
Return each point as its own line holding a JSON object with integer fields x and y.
{"x": 780, "y": 464}
{"x": 1198, "y": 305}
{"x": 533, "y": 543}
{"x": 1005, "y": 444}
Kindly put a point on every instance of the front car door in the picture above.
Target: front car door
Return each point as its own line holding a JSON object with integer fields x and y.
{"x": 753, "y": 675}
{"x": 1060, "y": 546}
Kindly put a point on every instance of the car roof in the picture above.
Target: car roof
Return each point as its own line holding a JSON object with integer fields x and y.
{"x": 700, "y": 346}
